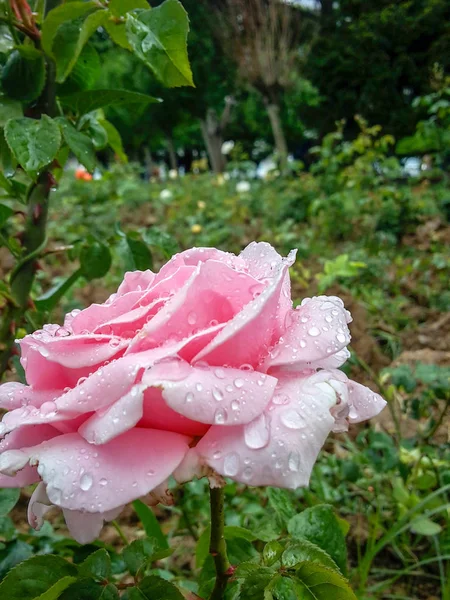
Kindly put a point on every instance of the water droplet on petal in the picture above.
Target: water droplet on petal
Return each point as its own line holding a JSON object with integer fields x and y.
{"x": 86, "y": 482}
{"x": 220, "y": 416}
{"x": 48, "y": 408}
{"x": 231, "y": 464}
{"x": 294, "y": 461}
{"x": 256, "y": 433}
{"x": 219, "y": 373}
{"x": 292, "y": 419}
{"x": 239, "y": 383}
{"x": 103, "y": 481}
{"x": 313, "y": 331}
{"x": 189, "y": 397}
{"x": 192, "y": 318}
{"x": 341, "y": 338}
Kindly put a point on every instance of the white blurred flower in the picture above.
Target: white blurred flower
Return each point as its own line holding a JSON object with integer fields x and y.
{"x": 165, "y": 195}
{"x": 243, "y": 187}
{"x": 227, "y": 147}
{"x": 173, "y": 174}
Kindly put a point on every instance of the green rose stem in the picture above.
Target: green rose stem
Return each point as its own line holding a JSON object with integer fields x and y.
{"x": 33, "y": 237}
{"x": 217, "y": 546}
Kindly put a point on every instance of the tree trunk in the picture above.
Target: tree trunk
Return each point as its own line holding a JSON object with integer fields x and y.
{"x": 148, "y": 161}
{"x": 173, "y": 158}
{"x": 213, "y": 139}
{"x": 273, "y": 110}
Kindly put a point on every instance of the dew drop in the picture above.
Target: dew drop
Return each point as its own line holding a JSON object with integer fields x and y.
{"x": 48, "y": 408}
{"x": 235, "y": 405}
{"x": 220, "y": 416}
{"x": 313, "y": 331}
{"x": 189, "y": 397}
{"x": 256, "y": 433}
{"x": 292, "y": 419}
{"x": 217, "y": 394}
{"x": 103, "y": 481}
{"x": 341, "y": 338}
{"x": 294, "y": 462}
{"x": 86, "y": 482}
{"x": 198, "y": 387}
{"x": 280, "y": 399}
{"x": 302, "y": 344}
{"x": 192, "y": 318}
{"x": 231, "y": 464}
{"x": 239, "y": 383}
{"x": 219, "y": 373}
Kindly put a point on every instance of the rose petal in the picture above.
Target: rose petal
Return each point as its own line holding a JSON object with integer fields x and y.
{"x": 16, "y": 395}
{"x": 22, "y": 438}
{"x": 85, "y": 527}
{"x": 211, "y": 395}
{"x": 111, "y": 422}
{"x": 281, "y": 446}
{"x": 157, "y": 415}
{"x": 80, "y": 476}
{"x": 38, "y": 506}
{"x": 255, "y": 322}
{"x": 262, "y": 259}
{"x": 364, "y": 404}
{"x": 315, "y": 335}
{"x": 135, "y": 281}
{"x": 212, "y": 295}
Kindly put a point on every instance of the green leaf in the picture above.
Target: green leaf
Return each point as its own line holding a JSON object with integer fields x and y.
{"x": 283, "y": 588}
{"x": 316, "y": 582}
{"x": 143, "y": 551}
{"x": 425, "y": 526}
{"x": 150, "y": 523}
{"x": 139, "y": 252}
{"x": 155, "y": 588}
{"x": 255, "y": 583}
{"x": 9, "y": 109}
{"x": 233, "y": 531}
{"x": 304, "y": 551}
{"x": 23, "y": 78}
{"x": 97, "y": 565}
{"x": 89, "y": 100}
{"x": 272, "y": 552}
{"x": 8, "y": 496}
{"x": 281, "y": 501}
{"x": 159, "y": 38}
{"x": 5, "y": 213}
{"x": 35, "y": 576}
{"x": 70, "y": 40}
{"x": 56, "y": 590}
{"x": 63, "y": 13}
{"x": 14, "y": 553}
{"x": 202, "y": 547}
{"x": 114, "y": 139}
{"x": 51, "y": 297}
{"x": 34, "y": 143}
{"x": 79, "y": 143}
{"x": 320, "y": 526}
{"x": 119, "y": 8}
{"x": 166, "y": 243}
{"x": 88, "y": 589}
{"x": 8, "y": 162}
{"x": 95, "y": 260}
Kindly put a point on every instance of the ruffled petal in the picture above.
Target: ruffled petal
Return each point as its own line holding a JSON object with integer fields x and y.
{"x": 111, "y": 422}
{"x": 135, "y": 281}
{"x": 16, "y": 395}
{"x": 247, "y": 337}
{"x": 315, "y": 335}
{"x": 280, "y": 447}
{"x": 85, "y": 527}
{"x": 223, "y": 396}
{"x": 158, "y": 415}
{"x": 81, "y": 476}
{"x": 364, "y": 404}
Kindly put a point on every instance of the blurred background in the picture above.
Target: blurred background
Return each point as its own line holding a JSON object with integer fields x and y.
{"x": 317, "y": 125}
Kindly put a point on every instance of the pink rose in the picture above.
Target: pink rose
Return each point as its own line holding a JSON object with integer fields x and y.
{"x": 201, "y": 369}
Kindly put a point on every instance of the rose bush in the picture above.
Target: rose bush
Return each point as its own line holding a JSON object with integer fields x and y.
{"x": 201, "y": 369}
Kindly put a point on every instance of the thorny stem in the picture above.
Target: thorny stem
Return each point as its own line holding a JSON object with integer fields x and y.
{"x": 217, "y": 546}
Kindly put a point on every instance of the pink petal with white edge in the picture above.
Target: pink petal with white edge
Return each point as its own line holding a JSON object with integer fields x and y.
{"x": 85, "y": 527}
{"x": 15, "y": 441}
{"x": 209, "y": 395}
{"x": 114, "y": 420}
{"x": 135, "y": 281}
{"x": 364, "y": 404}
{"x": 81, "y": 476}
{"x": 280, "y": 447}
{"x": 314, "y": 335}
{"x": 104, "y": 387}
{"x": 257, "y": 322}
{"x": 16, "y": 395}
{"x": 262, "y": 259}
{"x": 212, "y": 295}
{"x": 38, "y": 506}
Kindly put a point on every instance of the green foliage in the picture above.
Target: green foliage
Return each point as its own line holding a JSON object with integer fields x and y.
{"x": 8, "y": 499}
{"x": 23, "y": 75}
{"x": 33, "y": 143}
{"x": 159, "y": 38}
